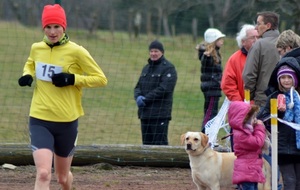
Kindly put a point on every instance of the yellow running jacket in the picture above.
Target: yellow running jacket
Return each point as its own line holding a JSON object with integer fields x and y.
{"x": 61, "y": 104}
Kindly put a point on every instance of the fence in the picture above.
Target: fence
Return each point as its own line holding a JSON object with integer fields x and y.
{"x": 110, "y": 112}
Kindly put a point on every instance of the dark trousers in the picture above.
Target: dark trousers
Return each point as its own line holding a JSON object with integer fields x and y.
{"x": 290, "y": 175}
{"x": 155, "y": 131}
{"x": 211, "y": 106}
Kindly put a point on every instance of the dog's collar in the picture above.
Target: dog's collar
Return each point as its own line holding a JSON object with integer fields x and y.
{"x": 205, "y": 148}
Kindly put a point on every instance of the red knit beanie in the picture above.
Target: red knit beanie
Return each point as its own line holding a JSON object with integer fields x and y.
{"x": 54, "y": 14}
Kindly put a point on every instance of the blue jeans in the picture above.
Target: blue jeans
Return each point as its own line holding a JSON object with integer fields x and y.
{"x": 248, "y": 186}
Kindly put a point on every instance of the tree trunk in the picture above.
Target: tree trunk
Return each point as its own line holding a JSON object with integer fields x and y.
{"x": 166, "y": 26}
{"x": 159, "y": 21}
{"x": 194, "y": 29}
{"x": 130, "y": 20}
{"x": 112, "y": 22}
{"x": 137, "y": 24}
{"x": 148, "y": 27}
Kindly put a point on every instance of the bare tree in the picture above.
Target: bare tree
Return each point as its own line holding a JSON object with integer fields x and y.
{"x": 137, "y": 24}
{"x": 219, "y": 12}
{"x": 115, "y": 15}
{"x": 292, "y": 9}
{"x": 130, "y": 20}
{"x": 112, "y": 22}
{"x": 148, "y": 23}
{"x": 157, "y": 14}
{"x": 164, "y": 9}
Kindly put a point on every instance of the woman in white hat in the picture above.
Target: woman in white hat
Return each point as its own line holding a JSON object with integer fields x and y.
{"x": 211, "y": 72}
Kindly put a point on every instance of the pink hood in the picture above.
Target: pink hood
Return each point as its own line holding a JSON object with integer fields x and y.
{"x": 236, "y": 114}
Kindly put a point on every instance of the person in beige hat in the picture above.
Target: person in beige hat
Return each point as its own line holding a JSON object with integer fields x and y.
{"x": 211, "y": 72}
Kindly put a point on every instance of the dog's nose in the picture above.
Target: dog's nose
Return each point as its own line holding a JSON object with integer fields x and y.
{"x": 189, "y": 146}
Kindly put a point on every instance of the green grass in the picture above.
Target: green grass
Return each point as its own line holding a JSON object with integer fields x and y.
{"x": 110, "y": 112}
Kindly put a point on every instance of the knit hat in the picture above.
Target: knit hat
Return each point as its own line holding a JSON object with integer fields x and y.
{"x": 54, "y": 14}
{"x": 156, "y": 45}
{"x": 286, "y": 70}
{"x": 212, "y": 35}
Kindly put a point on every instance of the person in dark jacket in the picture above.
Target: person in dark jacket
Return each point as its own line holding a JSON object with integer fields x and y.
{"x": 154, "y": 96}
{"x": 288, "y": 153}
{"x": 211, "y": 72}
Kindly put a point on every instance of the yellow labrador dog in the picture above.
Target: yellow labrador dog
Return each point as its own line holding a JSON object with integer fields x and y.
{"x": 212, "y": 170}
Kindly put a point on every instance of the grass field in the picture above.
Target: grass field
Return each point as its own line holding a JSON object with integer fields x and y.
{"x": 110, "y": 112}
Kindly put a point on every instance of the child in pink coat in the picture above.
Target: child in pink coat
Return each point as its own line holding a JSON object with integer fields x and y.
{"x": 249, "y": 138}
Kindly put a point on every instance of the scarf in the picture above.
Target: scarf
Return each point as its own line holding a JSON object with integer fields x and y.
{"x": 64, "y": 39}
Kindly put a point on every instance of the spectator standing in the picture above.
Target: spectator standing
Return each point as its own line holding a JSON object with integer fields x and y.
{"x": 154, "y": 96}
{"x": 211, "y": 72}
{"x": 262, "y": 57}
{"x": 249, "y": 139}
{"x": 287, "y": 41}
{"x": 283, "y": 81}
{"x": 232, "y": 82}
{"x": 286, "y": 44}
{"x": 57, "y": 64}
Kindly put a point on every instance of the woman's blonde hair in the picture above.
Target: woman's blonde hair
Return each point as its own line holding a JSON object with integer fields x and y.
{"x": 288, "y": 38}
{"x": 211, "y": 50}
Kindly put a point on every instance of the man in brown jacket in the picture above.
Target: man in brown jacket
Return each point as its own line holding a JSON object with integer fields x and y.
{"x": 262, "y": 57}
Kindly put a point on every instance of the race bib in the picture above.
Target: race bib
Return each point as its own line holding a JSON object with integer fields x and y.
{"x": 45, "y": 71}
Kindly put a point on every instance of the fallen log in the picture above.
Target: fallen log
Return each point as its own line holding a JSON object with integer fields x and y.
{"x": 123, "y": 155}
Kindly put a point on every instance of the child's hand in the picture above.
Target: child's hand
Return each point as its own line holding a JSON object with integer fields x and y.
{"x": 281, "y": 102}
{"x": 207, "y": 53}
{"x": 258, "y": 121}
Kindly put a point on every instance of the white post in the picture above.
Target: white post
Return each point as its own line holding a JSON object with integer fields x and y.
{"x": 274, "y": 133}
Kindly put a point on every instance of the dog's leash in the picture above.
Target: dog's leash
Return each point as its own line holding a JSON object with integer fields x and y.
{"x": 225, "y": 137}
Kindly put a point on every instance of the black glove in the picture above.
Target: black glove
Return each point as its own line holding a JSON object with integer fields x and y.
{"x": 25, "y": 80}
{"x": 63, "y": 79}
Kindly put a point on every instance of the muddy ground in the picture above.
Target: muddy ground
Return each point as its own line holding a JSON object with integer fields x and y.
{"x": 105, "y": 176}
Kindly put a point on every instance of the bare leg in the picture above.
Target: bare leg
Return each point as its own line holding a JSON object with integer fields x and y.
{"x": 43, "y": 162}
{"x": 62, "y": 170}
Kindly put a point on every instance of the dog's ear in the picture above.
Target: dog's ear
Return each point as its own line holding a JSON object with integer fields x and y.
{"x": 204, "y": 139}
{"x": 182, "y": 138}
